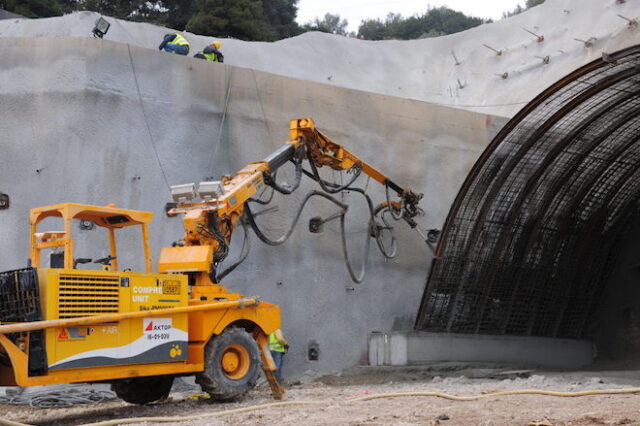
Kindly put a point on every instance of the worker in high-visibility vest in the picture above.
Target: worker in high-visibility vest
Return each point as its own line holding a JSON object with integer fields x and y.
{"x": 278, "y": 346}
{"x": 175, "y": 43}
{"x": 211, "y": 53}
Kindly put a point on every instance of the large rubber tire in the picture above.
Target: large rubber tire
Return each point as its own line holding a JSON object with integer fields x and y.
{"x": 232, "y": 365}
{"x": 143, "y": 390}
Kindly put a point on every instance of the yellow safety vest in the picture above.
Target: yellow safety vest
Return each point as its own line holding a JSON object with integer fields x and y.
{"x": 274, "y": 345}
{"x": 179, "y": 40}
{"x": 211, "y": 57}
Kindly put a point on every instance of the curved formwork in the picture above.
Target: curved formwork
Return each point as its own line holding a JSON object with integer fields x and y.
{"x": 530, "y": 242}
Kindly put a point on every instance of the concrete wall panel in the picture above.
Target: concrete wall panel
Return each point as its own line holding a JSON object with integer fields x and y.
{"x": 94, "y": 121}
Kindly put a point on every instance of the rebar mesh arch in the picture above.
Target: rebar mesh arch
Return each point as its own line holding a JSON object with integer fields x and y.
{"x": 530, "y": 240}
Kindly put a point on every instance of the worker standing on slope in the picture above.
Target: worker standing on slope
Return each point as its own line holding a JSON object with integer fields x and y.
{"x": 175, "y": 43}
{"x": 278, "y": 346}
{"x": 211, "y": 53}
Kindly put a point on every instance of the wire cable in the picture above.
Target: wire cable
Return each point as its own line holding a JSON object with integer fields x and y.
{"x": 146, "y": 120}
{"x": 243, "y": 253}
{"x": 224, "y": 113}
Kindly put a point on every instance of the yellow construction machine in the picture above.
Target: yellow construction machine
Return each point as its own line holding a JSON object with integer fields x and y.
{"x": 138, "y": 330}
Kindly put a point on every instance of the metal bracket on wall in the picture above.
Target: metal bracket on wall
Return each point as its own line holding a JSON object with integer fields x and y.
{"x": 4, "y": 201}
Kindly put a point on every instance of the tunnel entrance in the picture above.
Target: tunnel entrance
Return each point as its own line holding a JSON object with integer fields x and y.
{"x": 540, "y": 239}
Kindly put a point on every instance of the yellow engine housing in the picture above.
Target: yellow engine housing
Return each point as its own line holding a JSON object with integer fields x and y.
{"x": 78, "y": 293}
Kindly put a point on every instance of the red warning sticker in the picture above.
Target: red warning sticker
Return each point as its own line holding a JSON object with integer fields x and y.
{"x": 63, "y": 334}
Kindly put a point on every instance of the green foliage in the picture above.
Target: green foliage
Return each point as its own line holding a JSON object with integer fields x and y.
{"x": 435, "y": 22}
{"x": 532, "y": 3}
{"x": 117, "y": 8}
{"x": 372, "y": 29}
{"x": 281, "y": 15}
{"x": 32, "y": 8}
{"x": 170, "y": 13}
{"x": 265, "y": 20}
{"x": 245, "y": 19}
{"x": 329, "y": 24}
{"x": 519, "y": 9}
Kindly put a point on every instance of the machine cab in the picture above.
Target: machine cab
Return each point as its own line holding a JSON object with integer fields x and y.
{"x": 69, "y": 286}
{"x": 60, "y": 243}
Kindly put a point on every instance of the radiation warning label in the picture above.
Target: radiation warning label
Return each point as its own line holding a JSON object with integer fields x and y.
{"x": 157, "y": 328}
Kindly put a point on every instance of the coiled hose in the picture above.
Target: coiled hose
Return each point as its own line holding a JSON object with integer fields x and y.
{"x": 350, "y": 401}
{"x": 59, "y": 399}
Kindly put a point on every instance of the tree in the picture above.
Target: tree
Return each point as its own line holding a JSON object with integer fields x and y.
{"x": 372, "y": 29}
{"x": 281, "y": 14}
{"x": 242, "y": 19}
{"x": 433, "y": 23}
{"x": 32, "y": 8}
{"x": 329, "y": 24}
{"x": 117, "y": 8}
{"x": 532, "y": 3}
{"x": 178, "y": 13}
{"x": 519, "y": 9}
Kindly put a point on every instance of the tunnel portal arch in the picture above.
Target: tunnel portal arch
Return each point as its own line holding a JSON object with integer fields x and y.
{"x": 531, "y": 239}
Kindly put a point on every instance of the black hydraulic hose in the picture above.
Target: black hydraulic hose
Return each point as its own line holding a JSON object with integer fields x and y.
{"x": 389, "y": 254}
{"x": 285, "y": 237}
{"x": 297, "y": 160}
{"x": 355, "y": 278}
{"x": 372, "y": 228}
{"x": 391, "y": 209}
{"x": 223, "y": 249}
{"x": 243, "y": 253}
{"x": 270, "y": 198}
{"x": 331, "y": 187}
{"x": 378, "y": 234}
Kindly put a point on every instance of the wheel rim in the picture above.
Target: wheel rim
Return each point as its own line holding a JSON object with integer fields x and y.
{"x": 235, "y": 361}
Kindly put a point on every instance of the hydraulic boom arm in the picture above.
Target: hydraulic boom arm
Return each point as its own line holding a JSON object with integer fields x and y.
{"x": 211, "y": 221}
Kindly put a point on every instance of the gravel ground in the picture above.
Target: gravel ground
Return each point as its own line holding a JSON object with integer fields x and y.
{"x": 335, "y": 392}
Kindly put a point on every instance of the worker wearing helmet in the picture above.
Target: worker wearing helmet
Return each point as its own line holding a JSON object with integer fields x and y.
{"x": 175, "y": 43}
{"x": 211, "y": 53}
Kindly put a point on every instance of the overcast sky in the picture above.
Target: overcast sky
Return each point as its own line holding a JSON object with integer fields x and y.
{"x": 356, "y": 10}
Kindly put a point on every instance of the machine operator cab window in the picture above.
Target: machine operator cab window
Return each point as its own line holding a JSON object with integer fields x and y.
{"x": 68, "y": 247}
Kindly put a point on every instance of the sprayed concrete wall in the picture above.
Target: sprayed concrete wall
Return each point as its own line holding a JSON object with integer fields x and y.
{"x": 93, "y": 121}
{"x": 456, "y": 70}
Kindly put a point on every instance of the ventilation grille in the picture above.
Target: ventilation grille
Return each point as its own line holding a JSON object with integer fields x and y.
{"x": 81, "y": 296}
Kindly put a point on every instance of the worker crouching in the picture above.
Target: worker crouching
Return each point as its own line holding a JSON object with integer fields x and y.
{"x": 175, "y": 43}
{"x": 211, "y": 53}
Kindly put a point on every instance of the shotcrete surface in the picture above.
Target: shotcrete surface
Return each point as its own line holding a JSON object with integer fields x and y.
{"x": 96, "y": 121}
{"x": 456, "y": 70}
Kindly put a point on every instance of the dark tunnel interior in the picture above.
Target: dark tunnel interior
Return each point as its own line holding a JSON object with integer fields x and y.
{"x": 542, "y": 239}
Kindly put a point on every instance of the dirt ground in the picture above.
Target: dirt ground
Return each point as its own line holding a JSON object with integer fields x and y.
{"x": 332, "y": 406}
